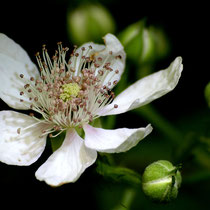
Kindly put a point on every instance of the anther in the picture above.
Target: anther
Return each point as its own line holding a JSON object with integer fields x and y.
{"x": 72, "y": 70}
{"x": 18, "y": 130}
{"x": 115, "y": 106}
{"x": 115, "y": 82}
{"x": 117, "y": 71}
{"x": 21, "y": 93}
{"x": 100, "y": 72}
{"x": 96, "y": 65}
{"x": 99, "y": 58}
{"x": 118, "y": 56}
{"x": 26, "y": 86}
{"x": 21, "y": 75}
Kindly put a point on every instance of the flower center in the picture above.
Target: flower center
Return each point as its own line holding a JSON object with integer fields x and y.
{"x": 69, "y": 91}
{"x": 69, "y": 94}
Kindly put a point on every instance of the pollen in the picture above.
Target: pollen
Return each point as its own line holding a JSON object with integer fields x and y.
{"x": 70, "y": 91}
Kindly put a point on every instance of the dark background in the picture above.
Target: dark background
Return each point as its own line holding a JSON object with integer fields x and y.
{"x": 33, "y": 23}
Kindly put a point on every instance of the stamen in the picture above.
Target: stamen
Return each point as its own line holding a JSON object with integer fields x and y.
{"x": 69, "y": 94}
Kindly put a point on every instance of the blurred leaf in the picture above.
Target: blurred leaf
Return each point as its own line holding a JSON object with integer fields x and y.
{"x": 207, "y": 93}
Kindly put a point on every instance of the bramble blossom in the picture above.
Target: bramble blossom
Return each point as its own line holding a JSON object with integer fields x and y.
{"x": 70, "y": 94}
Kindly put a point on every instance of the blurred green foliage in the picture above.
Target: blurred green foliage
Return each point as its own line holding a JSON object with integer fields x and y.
{"x": 207, "y": 93}
{"x": 89, "y": 22}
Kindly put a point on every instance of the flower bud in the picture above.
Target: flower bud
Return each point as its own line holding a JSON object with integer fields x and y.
{"x": 132, "y": 39}
{"x": 161, "y": 181}
{"x": 89, "y": 23}
{"x": 144, "y": 44}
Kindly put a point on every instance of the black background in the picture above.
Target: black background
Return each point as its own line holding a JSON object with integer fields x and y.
{"x": 33, "y": 23}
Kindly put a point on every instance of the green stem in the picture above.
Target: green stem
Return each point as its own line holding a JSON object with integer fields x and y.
{"x": 156, "y": 119}
{"x": 127, "y": 200}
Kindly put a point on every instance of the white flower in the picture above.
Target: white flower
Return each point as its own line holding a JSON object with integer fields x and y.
{"x": 70, "y": 94}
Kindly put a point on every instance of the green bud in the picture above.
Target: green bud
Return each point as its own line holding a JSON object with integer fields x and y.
{"x": 132, "y": 40}
{"x": 207, "y": 93}
{"x": 161, "y": 42}
{"x": 89, "y": 22}
{"x": 161, "y": 181}
{"x": 148, "y": 47}
{"x": 144, "y": 44}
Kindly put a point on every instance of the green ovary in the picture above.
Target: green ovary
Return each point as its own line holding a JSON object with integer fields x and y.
{"x": 69, "y": 91}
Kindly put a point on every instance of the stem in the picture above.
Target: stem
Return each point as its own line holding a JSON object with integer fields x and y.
{"x": 127, "y": 200}
{"x": 152, "y": 115}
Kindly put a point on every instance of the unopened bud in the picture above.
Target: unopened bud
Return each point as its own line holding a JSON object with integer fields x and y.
{"x": 89, "y": 22}
{"x": 161, "y": 181}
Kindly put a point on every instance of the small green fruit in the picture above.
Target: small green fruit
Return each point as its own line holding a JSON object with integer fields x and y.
{"x": 161, "y": 181}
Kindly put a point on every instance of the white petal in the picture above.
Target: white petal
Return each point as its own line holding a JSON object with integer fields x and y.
{"x": 116, "y": 59}
{"x": 24, "y": 148}
{"x": 114, "y": 141}
{"x": 146, "y": 90}
{"x": 68, "y": 162}
{"x": 112, "y": 53}
{"x": 14, "y": 61}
